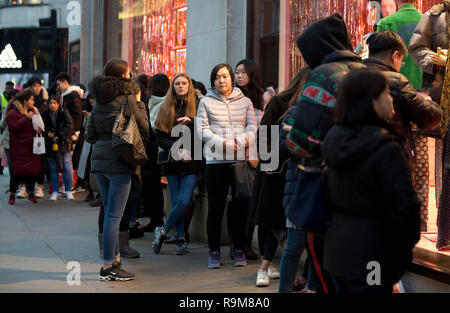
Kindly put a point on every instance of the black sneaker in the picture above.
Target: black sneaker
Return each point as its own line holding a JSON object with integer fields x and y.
{"x": 136, "y": 232}
{"x": 115, "y": 273}
{"x": 181, "y": 247}
{"x": 158, "y": 240}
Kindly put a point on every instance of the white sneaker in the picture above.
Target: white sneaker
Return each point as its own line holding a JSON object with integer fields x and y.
{"x": 273, "y": 272}
{"x": 54, "y": 196}
{"x": 22, "y": 194}
{"x": 69, "y": 196}
{"x": 262, "y": 280}
{"x": 39, "y": 192}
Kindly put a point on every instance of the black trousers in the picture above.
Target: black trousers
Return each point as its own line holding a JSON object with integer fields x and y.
{"x": 152, "y": 195}
{"x": 267, "y": 242}
{"x": 17, "y": 179}
{"x": 219, "y": 178}
{"x": 315, "y": 248}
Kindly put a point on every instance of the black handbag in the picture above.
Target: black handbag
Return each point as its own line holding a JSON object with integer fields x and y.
{"x": 244, "y": 177}
{"x": 126, "y": 138}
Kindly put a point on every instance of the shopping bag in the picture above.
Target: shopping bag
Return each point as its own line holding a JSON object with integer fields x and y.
{"x": 38, "y": 145}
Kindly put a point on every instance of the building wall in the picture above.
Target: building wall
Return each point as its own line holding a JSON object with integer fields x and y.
{"x": 220, "y": 27}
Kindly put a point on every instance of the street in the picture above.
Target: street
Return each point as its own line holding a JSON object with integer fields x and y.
{"x": 37, "y": 241}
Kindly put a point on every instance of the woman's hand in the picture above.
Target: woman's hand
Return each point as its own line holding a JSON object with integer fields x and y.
{"x": 439, "y": 59}
{"x": 184, "y": 155}
{"x": 30, "y": 115}
{"x": 138, "y": 96}
{"x": 225, "y": 143}
{"x": 184, "y": 120}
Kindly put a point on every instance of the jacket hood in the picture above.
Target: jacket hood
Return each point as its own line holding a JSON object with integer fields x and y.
{"x": 154, "y": 100}
{"x": 72, "y": 89}
{"x": 106, "y": 89}
{"x": 322, "y": 38}
{"x": 346, "y": 147}
{"x": 236, "y": 94}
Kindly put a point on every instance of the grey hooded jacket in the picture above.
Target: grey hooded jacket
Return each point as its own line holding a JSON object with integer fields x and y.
{"x": 220, "y": 119}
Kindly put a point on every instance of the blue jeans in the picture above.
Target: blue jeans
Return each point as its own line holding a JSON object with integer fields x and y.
{"x": 114, "y": 190}
{"x": 67, "y": 172}
{"x": 295, "y": 245}
{"x": 345, "y": 286}
{"x": 181, "y": 191}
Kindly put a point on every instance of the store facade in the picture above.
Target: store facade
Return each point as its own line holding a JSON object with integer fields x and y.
{"x": 172, "y": 36}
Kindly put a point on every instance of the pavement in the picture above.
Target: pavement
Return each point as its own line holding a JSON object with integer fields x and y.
{"x": 38, "y": 241}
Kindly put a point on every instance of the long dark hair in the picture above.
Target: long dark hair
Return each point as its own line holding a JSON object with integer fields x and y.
{"x": 254, "y": 90}
{"x": 158, "y": 85}
{"x": 355, "y": 97}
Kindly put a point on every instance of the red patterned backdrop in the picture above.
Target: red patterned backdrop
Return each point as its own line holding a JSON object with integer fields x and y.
{"x": 158, "y": 35}
{"x": 355, "y": 12}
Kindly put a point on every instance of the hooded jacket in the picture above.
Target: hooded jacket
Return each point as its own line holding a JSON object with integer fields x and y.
{"x": 110, "y": 94}
{"x": 219, "y": 119}
{"x": 375, "y": 210}
{"x": 409, "y": 105}
{"x": 431, "y": 32}
{"x": 154, "y": 105}
{"x": 71, "y": 101}
{"x": 327, "y": 49}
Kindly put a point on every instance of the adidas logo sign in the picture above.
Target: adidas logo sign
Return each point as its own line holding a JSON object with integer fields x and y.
{"x": 8, "y": 58}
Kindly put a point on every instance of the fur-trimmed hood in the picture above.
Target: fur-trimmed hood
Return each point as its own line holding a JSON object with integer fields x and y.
{"x": 105, "y": 89}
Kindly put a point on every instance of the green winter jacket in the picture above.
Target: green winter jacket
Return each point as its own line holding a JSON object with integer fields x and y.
{"x": 403, "y": 22}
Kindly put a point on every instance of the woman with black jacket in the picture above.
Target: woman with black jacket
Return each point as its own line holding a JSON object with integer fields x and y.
{"x": 375, "y": 211}
{"x": 182, "y": 170}
{"x": 113, "y": 175}
{"x": 58, "y": 145}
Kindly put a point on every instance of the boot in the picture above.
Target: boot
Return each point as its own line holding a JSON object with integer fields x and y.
{"x": 124, "y": 246}
{"x": 100, "y": 245}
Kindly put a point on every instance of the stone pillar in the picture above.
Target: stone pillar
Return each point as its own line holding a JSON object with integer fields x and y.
{"x": 91, "y": 54}
{"x": 220, "y": 26}
{"x": 216, "y": 33}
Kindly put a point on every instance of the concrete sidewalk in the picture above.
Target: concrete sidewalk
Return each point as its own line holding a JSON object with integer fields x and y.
{"x": 38, "y": 240}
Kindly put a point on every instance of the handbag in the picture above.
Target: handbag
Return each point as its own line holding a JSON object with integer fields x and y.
{"x": 126, "y": 139}
{"x": 39, "y": 145}
{"x": 163, "y": 156}
{"x": 304, "y": 201}
{"x": 244, "y": 177}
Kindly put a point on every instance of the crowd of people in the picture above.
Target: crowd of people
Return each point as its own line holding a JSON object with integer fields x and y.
{"x": 342, "y": 188}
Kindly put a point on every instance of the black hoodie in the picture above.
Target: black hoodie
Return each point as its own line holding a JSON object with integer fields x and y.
{"x": 375, "y": 210}
{"x": 326, "y": 47}
{"x": 322, "y": 38}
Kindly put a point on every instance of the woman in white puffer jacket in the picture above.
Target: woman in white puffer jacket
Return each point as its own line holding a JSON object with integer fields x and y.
{"x": 226, "y": 122}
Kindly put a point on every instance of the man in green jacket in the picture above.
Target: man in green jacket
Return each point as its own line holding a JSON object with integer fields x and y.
{"x": 403, "y": 22}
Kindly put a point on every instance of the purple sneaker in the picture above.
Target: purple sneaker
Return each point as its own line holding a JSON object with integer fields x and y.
{"x": 214, "y": 260}
{"x": 239, "y": 259}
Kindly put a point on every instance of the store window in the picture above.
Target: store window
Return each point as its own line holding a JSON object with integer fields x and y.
{"x": 153, "y": 35}
{"x": 263, "y": 29}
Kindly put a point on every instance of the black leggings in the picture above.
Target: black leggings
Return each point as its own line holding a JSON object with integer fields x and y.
{"x": 17, "y": 179}
{"x": 267, "y": 242}
{"x": 219, "y": 178}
